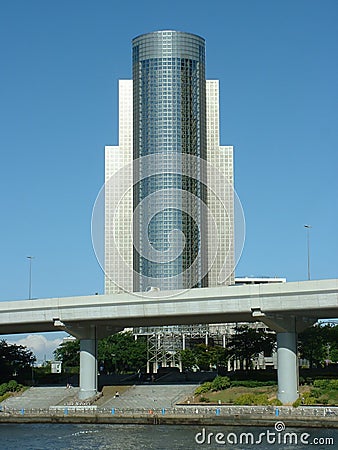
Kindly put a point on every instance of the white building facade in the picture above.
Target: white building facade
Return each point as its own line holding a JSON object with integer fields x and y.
{"x": 218, "y": 254}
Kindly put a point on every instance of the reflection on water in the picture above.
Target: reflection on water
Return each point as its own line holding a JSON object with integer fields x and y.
{"x": 157, "y": 437}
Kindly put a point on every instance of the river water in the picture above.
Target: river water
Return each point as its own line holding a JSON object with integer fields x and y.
{"x": 159, "y": 437}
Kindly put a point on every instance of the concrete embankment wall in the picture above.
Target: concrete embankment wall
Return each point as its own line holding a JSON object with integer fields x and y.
{"x": 155, "y": 419}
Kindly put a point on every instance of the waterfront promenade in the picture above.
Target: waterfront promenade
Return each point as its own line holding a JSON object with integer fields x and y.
{"x": 131, "y": 407}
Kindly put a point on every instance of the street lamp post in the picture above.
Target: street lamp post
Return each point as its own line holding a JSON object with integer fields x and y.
{"x": 308, "y": 250}
{"x": 33, "y": 373}
{"x": 30, "y": 277}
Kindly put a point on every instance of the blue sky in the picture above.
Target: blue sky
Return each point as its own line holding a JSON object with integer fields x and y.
{"x": 60, "y": 63}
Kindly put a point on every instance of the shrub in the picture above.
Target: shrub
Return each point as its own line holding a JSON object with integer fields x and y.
{"x": 321, "y": 384}
{"x": 306, "y": 399}
{"x": 252, "y": 383}
{"x": 205, "y": 387}
{"x": 334, "y": 384}
{"x": 12, "y": 385}
{"x": 220, "y": 383}
{"x": 3, "y": 388}
{"x": 309, "y": 399}
{"x": 275, "y": 402}
{"x": 262, "y": 399}
{"x": 297, "y": 402}
{"x": 245, "y": 399}
{"x": 316, "y": 393}
{"x": 252, "y": 399}
{"x": 326, "y": 384}
{"x": 204, "y": 399}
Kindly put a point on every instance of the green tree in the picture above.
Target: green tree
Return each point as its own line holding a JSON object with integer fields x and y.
{"x": 218, "y": 356}
{"x": 203, "y": 356}
{"x": 220, "y": 383}
{"x": 15, "y": 360}
{"x": 122, "y": 353}
{"x": 311, "y": 345}
{"x": 319, "y": 343}
{"x": 247, "y": 343}
{"x": 69, "y": 353}
{"x": 330, "y": 333}
{"x": 117, "y": 353}
{"x": 189, "y": 359}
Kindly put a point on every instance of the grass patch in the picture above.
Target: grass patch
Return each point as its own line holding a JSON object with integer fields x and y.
{"x": 5, "y": 396}
{"x": 231, "y": 395}
{"x": 323, "y": 392}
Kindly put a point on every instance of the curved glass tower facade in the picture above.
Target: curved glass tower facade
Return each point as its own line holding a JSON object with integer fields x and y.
{"x": 169, "y": 120}
{"x": 157, "y": 231}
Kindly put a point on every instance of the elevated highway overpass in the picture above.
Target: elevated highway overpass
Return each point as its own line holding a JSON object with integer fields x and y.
{"x": 287, "y": 308}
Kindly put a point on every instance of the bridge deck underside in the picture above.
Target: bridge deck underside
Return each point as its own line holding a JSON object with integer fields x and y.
{"x": 309, "y": 299}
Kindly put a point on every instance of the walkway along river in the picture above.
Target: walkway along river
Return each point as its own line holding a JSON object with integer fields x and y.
{"x": 307, "y": 416}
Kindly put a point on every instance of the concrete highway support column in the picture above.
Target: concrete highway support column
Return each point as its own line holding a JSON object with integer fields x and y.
{"x": 287, "y": 367}
{"x": 286, "y": 328}
{"x": 88, "y": 368}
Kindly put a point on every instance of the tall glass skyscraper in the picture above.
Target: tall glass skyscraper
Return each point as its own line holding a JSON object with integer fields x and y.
{"x": 169, "y": 120}
{"x": 168, "y": 125}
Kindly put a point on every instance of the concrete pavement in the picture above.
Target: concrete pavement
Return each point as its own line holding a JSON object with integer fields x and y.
{"x": 40, "y": 397}
{"x": 151, "y": 396}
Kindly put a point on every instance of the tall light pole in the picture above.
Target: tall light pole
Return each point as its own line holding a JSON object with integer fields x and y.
{"x": 30, "y": 277}
{"x": 308, "y": 250}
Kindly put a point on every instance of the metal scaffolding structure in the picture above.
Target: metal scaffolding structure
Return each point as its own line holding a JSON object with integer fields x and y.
{"x": 164, "y": 344}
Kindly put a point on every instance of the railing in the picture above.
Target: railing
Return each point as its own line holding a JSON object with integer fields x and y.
{"x": 179, "y": 411}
